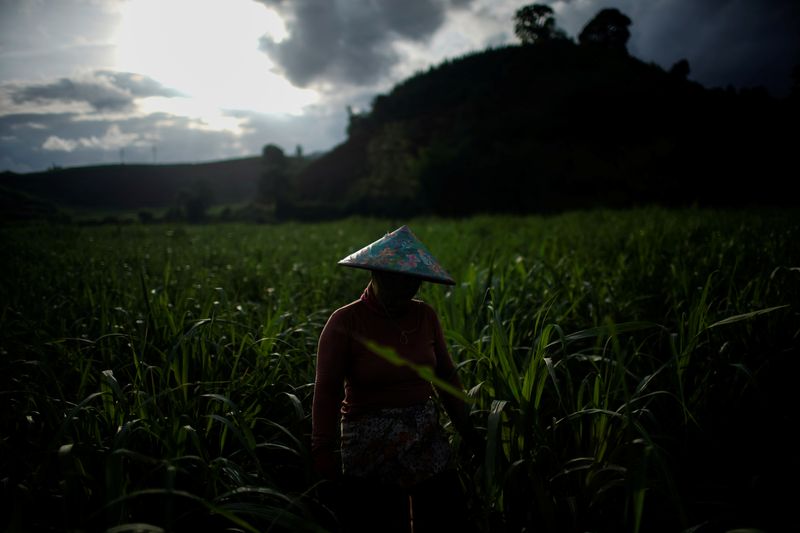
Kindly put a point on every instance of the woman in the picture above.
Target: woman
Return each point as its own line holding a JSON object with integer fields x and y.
{"x": 395, "y": 457}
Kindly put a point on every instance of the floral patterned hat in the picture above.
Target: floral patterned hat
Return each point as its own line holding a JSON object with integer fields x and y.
{"x": 400, "y": 251}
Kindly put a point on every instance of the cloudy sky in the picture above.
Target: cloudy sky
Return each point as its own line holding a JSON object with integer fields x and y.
{"x": 86, "y": 82}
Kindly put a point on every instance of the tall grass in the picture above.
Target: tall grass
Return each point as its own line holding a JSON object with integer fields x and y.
{"x": 625, "y": 369}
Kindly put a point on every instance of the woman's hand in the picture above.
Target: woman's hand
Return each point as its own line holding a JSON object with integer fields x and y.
{"x": 328, "y": 465}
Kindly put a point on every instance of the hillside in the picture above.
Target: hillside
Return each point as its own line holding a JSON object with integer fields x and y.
{"x": 19, "y": 206}
{"x": 140, "y": 186}
{"x": 536, "y": 128}
{"x": 554, "y": 126}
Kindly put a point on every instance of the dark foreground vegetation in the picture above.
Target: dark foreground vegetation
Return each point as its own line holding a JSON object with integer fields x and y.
{"x": 630, "y": 370}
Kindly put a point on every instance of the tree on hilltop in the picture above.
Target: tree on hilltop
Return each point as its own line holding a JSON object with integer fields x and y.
{"x": 535, "y": 23}
{"x": 274, "y": 177}
{"x": 608, "y": 29}
{"x": 680, "y": 69}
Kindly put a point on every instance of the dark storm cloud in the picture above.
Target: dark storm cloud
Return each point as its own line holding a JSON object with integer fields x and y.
{"x": 107, "y": 91}
{"x": 738, "y": 43}
{"x": 743, "y": 43}
{"x": 100, "y": 97}
{"x": 350, "y": 41}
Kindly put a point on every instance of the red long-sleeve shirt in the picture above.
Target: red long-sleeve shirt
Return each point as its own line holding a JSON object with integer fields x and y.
{"x": 350, "y": 379}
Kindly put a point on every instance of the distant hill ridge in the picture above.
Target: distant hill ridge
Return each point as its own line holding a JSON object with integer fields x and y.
{"x": 134, "y": 186}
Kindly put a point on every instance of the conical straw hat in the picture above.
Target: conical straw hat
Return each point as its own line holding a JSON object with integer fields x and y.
{"x": 400, "y": 251}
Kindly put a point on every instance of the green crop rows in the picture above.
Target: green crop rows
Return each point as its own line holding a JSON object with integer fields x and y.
{"x": 629, "y": 371}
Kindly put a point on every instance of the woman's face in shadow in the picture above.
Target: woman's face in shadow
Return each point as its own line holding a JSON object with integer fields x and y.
{"x": 395, "y": 288}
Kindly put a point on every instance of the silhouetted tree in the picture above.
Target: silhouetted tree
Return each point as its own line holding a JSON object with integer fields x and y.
{"x": 195, "y": 202}
{"x": 680, "y": 69}
{"x": 274, "y": 183}
{"x": 273, "y": 173}
{"x": 357, "y": 123}
{"x": 609, "y": 29}
{"x": 535, "y": 23}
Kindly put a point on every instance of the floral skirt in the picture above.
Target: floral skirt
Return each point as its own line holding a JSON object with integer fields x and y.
{"x": 399, "y": 446}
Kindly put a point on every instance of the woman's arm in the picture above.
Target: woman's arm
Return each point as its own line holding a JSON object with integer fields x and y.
{"x": 328, "y": 393}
